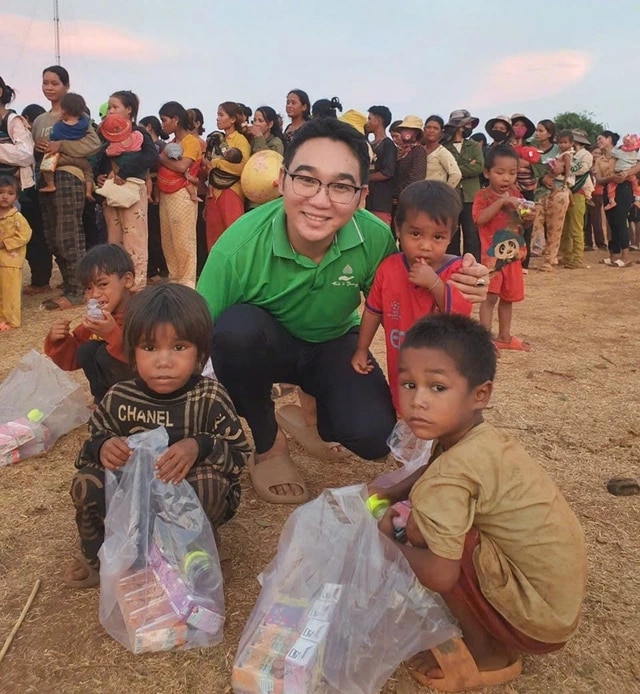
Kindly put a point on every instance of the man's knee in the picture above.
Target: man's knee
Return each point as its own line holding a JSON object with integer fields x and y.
{"x": 238, "y": 327}
{"x": 366, "y": 435}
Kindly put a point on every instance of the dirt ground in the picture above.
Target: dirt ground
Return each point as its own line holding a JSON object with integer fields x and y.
{"x": 573, "y": 401}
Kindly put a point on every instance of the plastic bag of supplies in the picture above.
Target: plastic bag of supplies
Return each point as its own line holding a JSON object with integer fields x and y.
{"x": 340, "y": 607}
{"x": 39, "y": 402}
{"x": 160, "y": 576}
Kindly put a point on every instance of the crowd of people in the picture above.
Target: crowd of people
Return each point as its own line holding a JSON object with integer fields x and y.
{"x": 271, "y": 293}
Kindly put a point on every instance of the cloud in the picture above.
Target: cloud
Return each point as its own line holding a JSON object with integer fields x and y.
{"x": 77, "y": 38}
{"x": 531, "y": 76}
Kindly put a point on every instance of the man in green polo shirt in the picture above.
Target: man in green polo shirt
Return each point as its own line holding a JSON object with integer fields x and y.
{"x": 283, "y": 285}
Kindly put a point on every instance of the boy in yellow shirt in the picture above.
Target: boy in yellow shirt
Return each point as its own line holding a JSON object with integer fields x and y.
{"x": 15, "y": 233}
{"x": 488, "y": 530}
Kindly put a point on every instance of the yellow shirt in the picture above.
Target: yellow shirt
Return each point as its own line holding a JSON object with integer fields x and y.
{"x": 239, "y": 141}
{"x": 15, "y": 233}
{"x": 531, "y": 562}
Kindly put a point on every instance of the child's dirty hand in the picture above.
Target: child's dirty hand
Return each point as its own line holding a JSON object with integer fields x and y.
{"x": 114, "y": 453}
{"x": 385, "y": 524}
{"x": 360, "y": 362}
{"x": 174, "y": 465}
{"x": 101, "y": 327}
{"x": 422, "y": 274}
{"x": 59, "y": 330}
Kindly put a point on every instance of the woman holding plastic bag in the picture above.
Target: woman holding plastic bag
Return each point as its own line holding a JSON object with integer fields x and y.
{"x": 166, "y": 339}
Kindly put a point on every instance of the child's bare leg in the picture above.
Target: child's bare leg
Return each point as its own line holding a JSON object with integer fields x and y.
{"x": 88, "y": 191}
{"x": 486, "y": 311}
{"x": 49, "y": 185}
{"x": 488, "y": 653}
{"x": 505, "y": 314}
{"x": 611, "y": 194}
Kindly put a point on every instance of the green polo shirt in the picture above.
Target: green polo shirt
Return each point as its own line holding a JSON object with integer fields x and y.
{"x": 254, "y": 263}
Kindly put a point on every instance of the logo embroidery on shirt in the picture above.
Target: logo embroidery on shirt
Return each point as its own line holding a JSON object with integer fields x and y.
{"x": 345, "y": 279}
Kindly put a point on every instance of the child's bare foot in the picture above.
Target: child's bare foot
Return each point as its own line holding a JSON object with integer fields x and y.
{"x": 5, "y": 327}
{"x": 610, "y": 205}
{"x": 47, "y": 189}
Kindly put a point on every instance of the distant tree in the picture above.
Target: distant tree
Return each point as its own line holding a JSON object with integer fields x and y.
{"x": 584, "y": 120}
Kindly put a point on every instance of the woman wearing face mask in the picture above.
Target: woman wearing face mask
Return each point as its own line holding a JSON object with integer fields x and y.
{"x": 470, "y": 160}
{"x": 498, "y": 129}
{"x": 412, "y": 157}
{"x": 552, "y": 198}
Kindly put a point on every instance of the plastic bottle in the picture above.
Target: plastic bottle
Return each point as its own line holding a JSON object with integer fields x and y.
{"x": 94, "y": 310}
{"x": 199, "y": 572}
{"x": 23, "y": 437}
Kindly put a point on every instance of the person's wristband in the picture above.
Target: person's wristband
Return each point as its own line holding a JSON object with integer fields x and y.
{"x": 433, "y": 285}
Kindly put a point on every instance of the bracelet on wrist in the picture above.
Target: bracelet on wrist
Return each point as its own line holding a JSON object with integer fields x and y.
{"x": 433, "y": 285}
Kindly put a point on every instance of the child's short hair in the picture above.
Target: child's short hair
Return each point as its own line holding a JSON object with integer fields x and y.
{"x": 182, "y": 307}
{"x": 565, "y": 135}
{"x": 107, "y": 258}
{"x": 9, "y": 182}
{"x": 73, "y": 104}
{"x": 498, "y": 152}
{"x": 463, "y": 339}
{"x": 440, "y": 201}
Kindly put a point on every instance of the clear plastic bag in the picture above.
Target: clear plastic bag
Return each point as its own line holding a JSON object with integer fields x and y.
{"x": 39, "y": 402}
{"x": 340, "y": 607}
{"x": 407, "y": 449}
{"x": 160, "y": 576}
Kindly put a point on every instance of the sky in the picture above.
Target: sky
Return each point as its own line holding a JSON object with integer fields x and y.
{"x": 415, "y": 56}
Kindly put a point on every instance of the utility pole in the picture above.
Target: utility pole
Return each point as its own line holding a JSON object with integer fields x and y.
{"x": 56, "y": 27}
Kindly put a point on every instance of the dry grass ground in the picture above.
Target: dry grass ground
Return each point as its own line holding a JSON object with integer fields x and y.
{"x": 573, "y": 401}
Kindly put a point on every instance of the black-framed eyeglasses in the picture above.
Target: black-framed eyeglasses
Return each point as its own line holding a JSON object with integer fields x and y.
{"x": 307, "y": 187}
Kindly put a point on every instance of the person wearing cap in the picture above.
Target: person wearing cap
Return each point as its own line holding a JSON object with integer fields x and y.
{"x": 283, "y": 285}
{"x": 383, "y": 168}
{"x": 498, "y": 129}
{"x": 470, "y": 160}
{"x": 529, "y": 168}
{"x": 411, "y": 165}
{"x": 441, "y": 166}
{"x": 572, "y": 239}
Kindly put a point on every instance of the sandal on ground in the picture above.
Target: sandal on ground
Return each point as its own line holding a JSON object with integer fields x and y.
{"x": 607, "y": 261}
{"x": 62, "y": 303}
{"x": 276, "y": 471}
{"x": 547, "y": 267}
{"x": 460, "y": 671}
{"x": 32, "y": 289}
{"x": 80, "y": 574}
{"x": 290, "y": 419}
{"x": 620, "y": 263}
{"x": 623, "y": 486}
{"x": 514, "y": 343}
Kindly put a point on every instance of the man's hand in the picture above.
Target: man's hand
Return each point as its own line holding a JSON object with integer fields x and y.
{"x": 59, "y": 330}
{"x": 472, "y": 280}
{"x": 360, "y": 362}
{"x": 53, "y": 147}
{"x": 114, "y": 453}
{"x": 175, "y": 463}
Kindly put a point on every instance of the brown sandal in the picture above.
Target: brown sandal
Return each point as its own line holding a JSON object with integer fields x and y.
{"x": 62, "y": 303}
{"x": 461, "y": 672}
